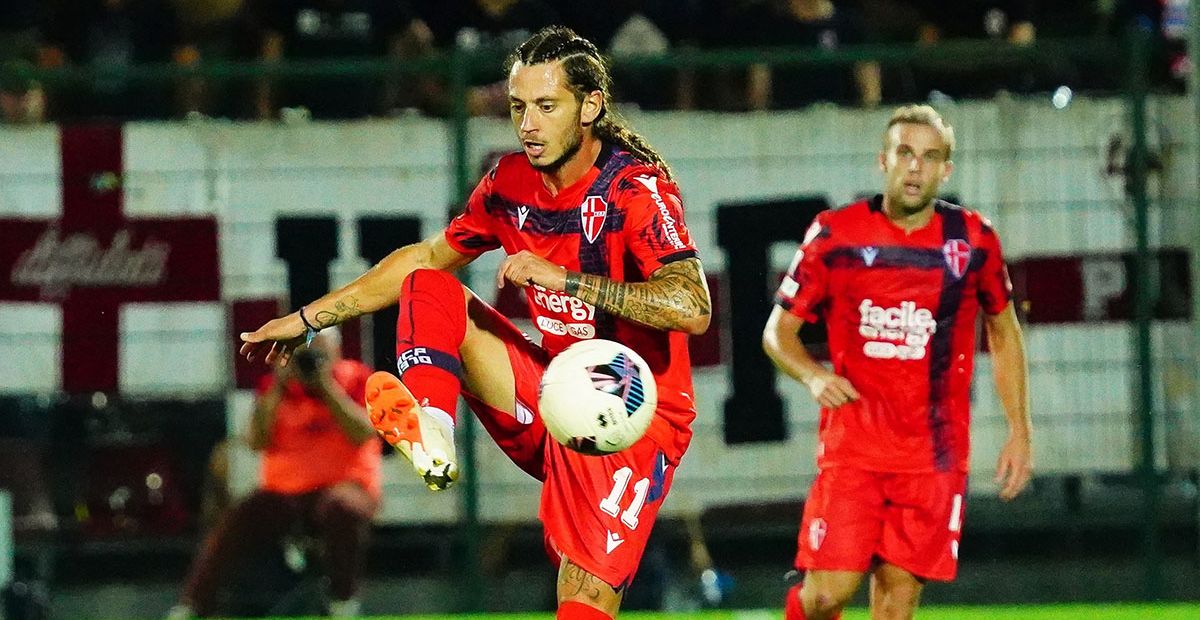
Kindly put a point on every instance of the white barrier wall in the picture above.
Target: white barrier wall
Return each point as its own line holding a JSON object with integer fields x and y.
{"x": 1041, "y": 174}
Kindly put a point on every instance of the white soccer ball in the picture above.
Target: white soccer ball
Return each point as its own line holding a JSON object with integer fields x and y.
{"x": 597, "y": 397}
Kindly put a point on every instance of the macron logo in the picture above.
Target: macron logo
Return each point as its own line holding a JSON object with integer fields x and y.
{"x": 613, "y": 542}
{"x": 522, "y": 213}
{"x": 670, "y": 231}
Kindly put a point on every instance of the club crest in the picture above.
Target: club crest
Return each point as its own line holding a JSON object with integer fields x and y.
{"x": 958, "y": 256}
{"x": 591, "y": 215}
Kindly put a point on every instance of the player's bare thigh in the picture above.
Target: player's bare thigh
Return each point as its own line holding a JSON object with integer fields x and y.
{"x": 487, "y": 371}
{"x": 578, "y": 585}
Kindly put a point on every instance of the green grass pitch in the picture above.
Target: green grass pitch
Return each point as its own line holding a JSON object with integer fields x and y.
{"x": 1114, "y": 611}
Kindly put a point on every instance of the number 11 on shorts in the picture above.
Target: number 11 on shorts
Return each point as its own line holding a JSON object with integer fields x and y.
{"x": 611, "y": 505}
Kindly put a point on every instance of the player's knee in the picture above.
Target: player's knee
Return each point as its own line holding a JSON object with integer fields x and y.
{"x": 824, "y": 602}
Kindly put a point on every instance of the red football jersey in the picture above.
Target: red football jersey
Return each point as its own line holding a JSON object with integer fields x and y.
{"x": 900, "y": 309}
{"x": 623, "y": 220}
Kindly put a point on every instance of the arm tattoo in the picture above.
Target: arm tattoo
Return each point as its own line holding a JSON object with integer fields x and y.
{"x": 674, "y": 294}
{"x": 345, "y": 309}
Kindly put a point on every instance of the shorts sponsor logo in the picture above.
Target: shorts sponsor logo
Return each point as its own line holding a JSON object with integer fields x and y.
{"x": 899, "y": 332}
{"x": 817, "y": 528}
{"x": 612, "y": 542}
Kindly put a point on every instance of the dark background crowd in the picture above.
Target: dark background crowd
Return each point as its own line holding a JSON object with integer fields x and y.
{"x": 105, "y": 36}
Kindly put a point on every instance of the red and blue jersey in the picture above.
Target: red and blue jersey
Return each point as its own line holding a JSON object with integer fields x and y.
{"x": 623, "y": 220}
{"x": 900, "y": 309}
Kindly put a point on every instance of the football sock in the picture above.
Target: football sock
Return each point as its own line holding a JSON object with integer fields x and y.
{"x": 793, "y": 609}
{"x": 574, "y": 610}
{"x": 429, "y": 331}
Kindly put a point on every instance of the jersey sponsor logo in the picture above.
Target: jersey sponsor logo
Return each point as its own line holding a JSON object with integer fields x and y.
{"x": 582, "y": 331}
{"x": 592, "y": 213}
{"x": 561, "y": 303}
{"x": 522, "y": 213}
{"x": 817, "y": 528}
{"x": 900, "y": 332}
{"x": 958, "y": 256}
{"x": 869, "y": 253}
{"x": 669, "y": 230}
{"x": 552, "y": 326}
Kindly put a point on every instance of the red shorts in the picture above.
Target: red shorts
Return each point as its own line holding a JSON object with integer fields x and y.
{"x": 596, "y": 511}
{"x": 913, "y": 521}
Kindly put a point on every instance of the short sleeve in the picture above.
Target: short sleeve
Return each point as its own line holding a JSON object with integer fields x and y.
{"x": 995, "y": 288}
{"x": 806, "y": 283}
{"x": 655, "y": 232}
{"x": 470, "y": 232}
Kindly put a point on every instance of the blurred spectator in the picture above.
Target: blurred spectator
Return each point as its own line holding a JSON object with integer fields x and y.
{"x": 22, "y": 467}
{"x": 321, "y": 477}
{"x": 997, "y": 20}
{"x": 21, "y": 100}
{"x": 488, "y": 24}
{"x": 642, "y": 28}
{"x": 327, "y": 29}
{"x": 211, "y": 31}
{"x": 112, "y": 36}
{"x": 1007, "y": 20}
{"x": 818, "y": 24}
{"x": 1167, "y": 22}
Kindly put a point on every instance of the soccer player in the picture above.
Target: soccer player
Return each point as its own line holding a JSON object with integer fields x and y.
{"x": 593, "y": 228}
{"x": 899, "y": 279}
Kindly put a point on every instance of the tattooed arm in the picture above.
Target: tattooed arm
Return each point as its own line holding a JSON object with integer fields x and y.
{"x": 674, "y": 298}
{"x": 379, "y": 287}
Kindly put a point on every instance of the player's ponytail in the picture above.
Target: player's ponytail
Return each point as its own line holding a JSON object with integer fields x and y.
{"x": 587, "y": 71}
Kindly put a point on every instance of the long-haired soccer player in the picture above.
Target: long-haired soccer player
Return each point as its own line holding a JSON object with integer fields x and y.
{"x": 899, "y": 279}
{"x": 594, "y": 232}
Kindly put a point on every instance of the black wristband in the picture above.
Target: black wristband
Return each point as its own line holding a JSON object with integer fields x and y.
{"x": 309, "y": 330}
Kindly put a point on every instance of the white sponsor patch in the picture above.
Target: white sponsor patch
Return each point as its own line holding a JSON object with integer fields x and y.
{"x": 551, "y": 326}
{"x": 898, "y": 332}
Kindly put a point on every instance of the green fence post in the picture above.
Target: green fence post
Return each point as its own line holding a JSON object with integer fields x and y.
{"x": 470, "y": 573}
{"x": 1143, "y": 313}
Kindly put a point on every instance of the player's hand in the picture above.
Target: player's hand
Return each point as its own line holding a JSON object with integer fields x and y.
{"x": 831, "y": 390}
{"x": 275, "y": 341}
{"x": 1015, "y": 466}
{"x": 525, "y": 268}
